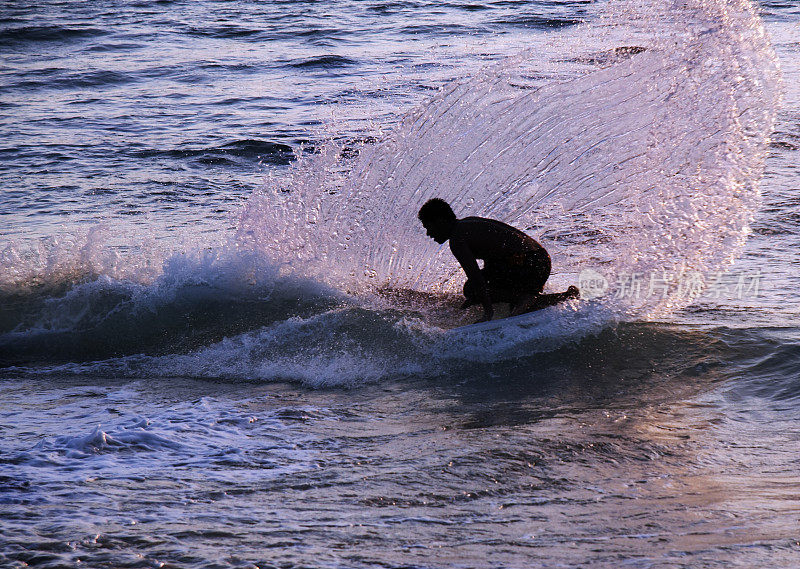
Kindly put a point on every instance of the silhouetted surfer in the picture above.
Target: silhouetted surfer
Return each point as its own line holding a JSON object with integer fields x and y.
{"x": 515, "y": 267}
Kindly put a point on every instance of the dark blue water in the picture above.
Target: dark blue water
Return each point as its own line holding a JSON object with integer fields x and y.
{"x": 196, "y": 370}
{"x": 171, "y": 110}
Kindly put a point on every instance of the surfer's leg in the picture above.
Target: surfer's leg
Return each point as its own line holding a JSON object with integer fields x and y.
{"x": 539, "y": 301}
{"x": 538, "y": 267}
{"x": 524, "y": 303}
{"x": 498, "y": 290}
{"x": 530, "y": 283}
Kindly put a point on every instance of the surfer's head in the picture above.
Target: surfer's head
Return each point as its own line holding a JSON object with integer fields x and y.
{"x": 438, "y": 218}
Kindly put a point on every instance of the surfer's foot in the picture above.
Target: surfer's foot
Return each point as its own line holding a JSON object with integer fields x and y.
{"x": 531, "y": 302}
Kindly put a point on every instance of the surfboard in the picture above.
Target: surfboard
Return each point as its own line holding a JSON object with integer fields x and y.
{"x": 482, "y": 327}
{"x": 543, "y": 301}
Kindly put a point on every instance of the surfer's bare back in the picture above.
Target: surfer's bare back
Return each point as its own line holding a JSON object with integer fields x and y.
{"x": 515, "y": 266}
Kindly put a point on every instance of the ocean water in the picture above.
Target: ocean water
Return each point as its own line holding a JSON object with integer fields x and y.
{"x": 225, "y": 340}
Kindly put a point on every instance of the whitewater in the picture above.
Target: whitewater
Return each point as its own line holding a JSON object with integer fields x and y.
{"x": 225, "y": 340}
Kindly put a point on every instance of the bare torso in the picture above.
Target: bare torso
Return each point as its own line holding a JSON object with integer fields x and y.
{"x": 495, "y": 242}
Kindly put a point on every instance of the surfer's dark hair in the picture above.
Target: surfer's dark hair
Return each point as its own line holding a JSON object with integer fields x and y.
{"x": 436, "y": 208}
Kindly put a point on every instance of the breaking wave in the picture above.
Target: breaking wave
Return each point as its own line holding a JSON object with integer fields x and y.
{"x": 649, "y": 164}
{"x": 648, "y": 161}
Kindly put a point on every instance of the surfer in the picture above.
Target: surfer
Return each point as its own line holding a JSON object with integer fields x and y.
{"x": 515, "y": 267}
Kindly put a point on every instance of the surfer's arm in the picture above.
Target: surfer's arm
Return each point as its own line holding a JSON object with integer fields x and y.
{"x": 469, "y": 263}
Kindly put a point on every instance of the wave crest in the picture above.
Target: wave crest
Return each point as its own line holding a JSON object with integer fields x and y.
{"x": 647, "y": 165}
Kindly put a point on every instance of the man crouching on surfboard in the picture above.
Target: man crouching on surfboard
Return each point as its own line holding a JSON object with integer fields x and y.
{"x": 515, "y": 266}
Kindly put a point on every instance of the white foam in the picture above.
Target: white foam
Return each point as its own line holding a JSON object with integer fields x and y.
{"x": 648, "y": 165}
